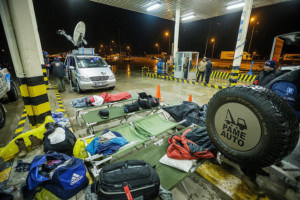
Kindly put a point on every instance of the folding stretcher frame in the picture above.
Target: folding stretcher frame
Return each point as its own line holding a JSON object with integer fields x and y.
{"x": 97, "y": 161}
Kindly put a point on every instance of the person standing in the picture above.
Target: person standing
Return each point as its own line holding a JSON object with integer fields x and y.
{"x": 201, "y": 69}
{"x": 267, "y": 75}
{"x": 208, "y": 70}
{"x": 59, "y": 73}
{"x": 186, "y": 67}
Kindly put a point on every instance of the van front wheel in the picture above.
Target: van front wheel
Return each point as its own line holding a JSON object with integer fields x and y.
{"x": 78, "y": 88}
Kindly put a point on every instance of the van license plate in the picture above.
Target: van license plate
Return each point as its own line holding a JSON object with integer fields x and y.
{"x": 99, "y": 84}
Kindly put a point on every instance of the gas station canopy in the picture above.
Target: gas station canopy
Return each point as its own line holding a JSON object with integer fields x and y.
{"x": 201, "y": 9}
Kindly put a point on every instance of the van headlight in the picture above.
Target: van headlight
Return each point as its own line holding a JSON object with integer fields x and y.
{"x": 84, "y": 79}
{"x": 112, "y": 77}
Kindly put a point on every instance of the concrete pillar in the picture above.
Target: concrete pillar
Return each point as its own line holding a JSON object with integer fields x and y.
{"x": 241, "y": 40}
{"x": 20, "y": 27}
{"x": 176, "y": 30}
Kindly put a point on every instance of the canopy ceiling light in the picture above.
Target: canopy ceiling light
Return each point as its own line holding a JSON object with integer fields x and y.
{"x": 153, "y": 6}
{"x": 188, "y": 17}
{"x": 241, "y": 4}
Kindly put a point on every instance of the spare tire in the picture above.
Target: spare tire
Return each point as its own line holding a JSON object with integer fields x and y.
{"x": 251, "y": 125}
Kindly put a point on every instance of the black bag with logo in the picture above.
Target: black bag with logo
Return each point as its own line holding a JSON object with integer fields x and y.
{"x": 132, "y": 107}
{"x": 147, "y": 101}
{"x": 132, "y": 177}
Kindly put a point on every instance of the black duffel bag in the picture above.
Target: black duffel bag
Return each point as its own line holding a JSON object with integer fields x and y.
{"x": 147, "y": 101}
{"x": 132, "y": 177}
{"x": 62, "y": 141}
{"x": 132, "y": 107}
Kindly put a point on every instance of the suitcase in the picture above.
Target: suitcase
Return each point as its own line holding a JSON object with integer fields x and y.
{"x": 137, "y": 176}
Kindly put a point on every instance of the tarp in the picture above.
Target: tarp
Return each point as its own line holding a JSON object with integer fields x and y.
{"x": 190, "y": 111}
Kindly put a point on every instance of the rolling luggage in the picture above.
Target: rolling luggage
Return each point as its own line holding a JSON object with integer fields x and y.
{"x": 127, "y": 180}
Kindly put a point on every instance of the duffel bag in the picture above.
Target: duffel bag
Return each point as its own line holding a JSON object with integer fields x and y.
{"x": 59, "y": 173}
{"x": 58, "y": 139}
{"x": 132, "y": 107}
{"x": 147, "y": 101}
{"x": 131, "y": 178}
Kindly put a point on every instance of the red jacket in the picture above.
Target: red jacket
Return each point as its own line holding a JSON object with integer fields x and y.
{"x": 183, "y": 149}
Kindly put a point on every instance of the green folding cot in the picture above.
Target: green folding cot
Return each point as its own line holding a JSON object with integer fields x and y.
{"x": 108, "y": 104}
{"x": 92, "y": 118}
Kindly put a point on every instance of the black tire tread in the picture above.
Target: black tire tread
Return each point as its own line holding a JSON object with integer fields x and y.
{"x": 13, "y": 93}
{"x": 2, "y": 121}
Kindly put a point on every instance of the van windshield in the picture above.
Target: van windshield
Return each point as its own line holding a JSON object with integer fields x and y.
{"x": 90, "y": 62}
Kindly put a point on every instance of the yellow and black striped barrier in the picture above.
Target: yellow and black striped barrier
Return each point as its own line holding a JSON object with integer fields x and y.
{"x": 180, "y": 80}
{"x": 44, "y": 70}
{"x": 226, "y": 75}
{"x": 34, "y": 94}
{"x": 61, "y": 105}
{"x": 21, "y": 123}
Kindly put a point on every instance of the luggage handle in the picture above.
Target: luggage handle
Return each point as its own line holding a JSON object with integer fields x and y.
{"x": 127, "y": 192}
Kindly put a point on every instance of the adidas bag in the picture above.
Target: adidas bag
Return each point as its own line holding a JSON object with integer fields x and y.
{"x": 59, "y": 173}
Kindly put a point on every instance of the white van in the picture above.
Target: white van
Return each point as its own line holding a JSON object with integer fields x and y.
{"x": 89, "y": 72}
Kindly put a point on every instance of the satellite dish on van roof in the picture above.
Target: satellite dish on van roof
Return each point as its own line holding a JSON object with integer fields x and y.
{"x": 78, "y": 35}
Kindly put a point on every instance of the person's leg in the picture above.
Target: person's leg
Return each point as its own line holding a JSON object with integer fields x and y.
{"x": 202, "y": 76}
{"x": 207, "y": 77}
{"x": 63, "y": 84}
{"x": 59, "y": 86}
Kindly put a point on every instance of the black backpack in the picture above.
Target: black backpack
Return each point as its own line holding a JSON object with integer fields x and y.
{"x": 147, "y": 101}
{"x": 136, "y": 177}
{"x": 65, "y": 146}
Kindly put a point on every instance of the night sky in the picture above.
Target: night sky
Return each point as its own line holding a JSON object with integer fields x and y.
{"x": 142, "y": 31}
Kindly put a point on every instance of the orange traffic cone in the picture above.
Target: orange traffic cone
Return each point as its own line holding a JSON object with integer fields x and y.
{"x": 190, "y": 98}
{"x": 158, "y": 93}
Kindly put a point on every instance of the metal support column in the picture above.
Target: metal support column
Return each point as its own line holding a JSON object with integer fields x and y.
{"x": 241, "y": 40}
{"x": 176, "y": 30}
{"x": 20, "y": 27}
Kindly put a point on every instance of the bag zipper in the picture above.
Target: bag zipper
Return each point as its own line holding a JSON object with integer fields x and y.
{"x": 132, "y": 190}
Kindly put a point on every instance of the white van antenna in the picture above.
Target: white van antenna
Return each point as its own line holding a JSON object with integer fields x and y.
{"x": 78, "y": 35}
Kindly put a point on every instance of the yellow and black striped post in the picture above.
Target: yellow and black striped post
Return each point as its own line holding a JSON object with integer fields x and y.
{"x": 44, "y": 70}
{"x": 21, "y": 123}
{"x": 173, "y": 70}
{"x": 234, "y": 76}
{"x": 34, "y": 93}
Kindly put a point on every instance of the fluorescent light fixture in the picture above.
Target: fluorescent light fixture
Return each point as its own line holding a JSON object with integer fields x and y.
{"x": 235, "y": 6}
{"x": 188, "y": 17}
{"x": 153, "y": 6}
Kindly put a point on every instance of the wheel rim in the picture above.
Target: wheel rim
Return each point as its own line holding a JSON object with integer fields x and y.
{"x": 237, "y": 126}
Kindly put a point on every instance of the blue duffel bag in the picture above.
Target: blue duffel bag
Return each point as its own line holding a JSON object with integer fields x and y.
{"x": 64, "y": 177}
